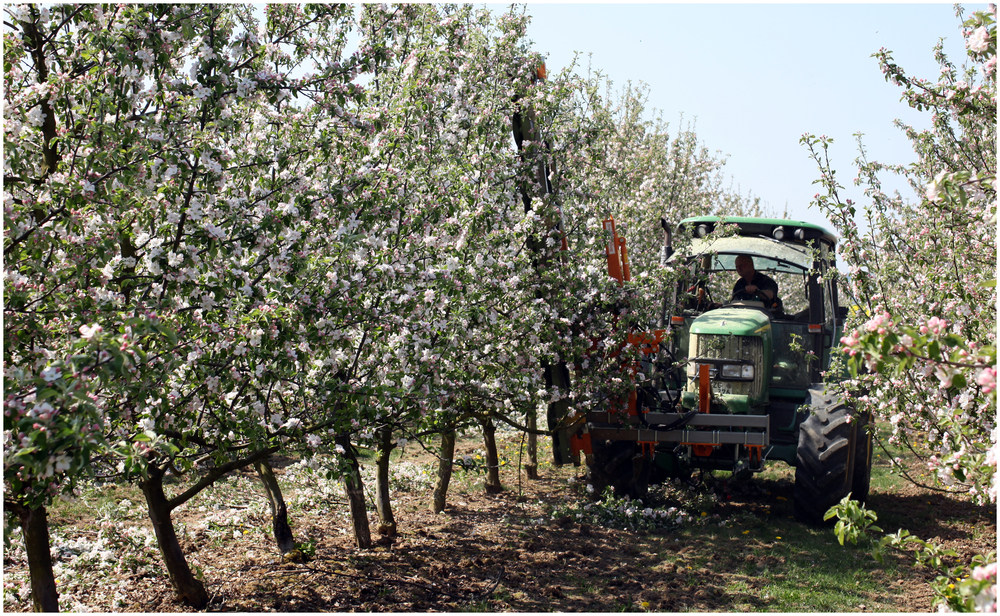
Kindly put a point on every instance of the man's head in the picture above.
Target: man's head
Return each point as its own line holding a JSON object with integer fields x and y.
{"x": 744, "y": 267}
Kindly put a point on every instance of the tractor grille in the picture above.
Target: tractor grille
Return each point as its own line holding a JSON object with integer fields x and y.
{"x": 740, "y": 348}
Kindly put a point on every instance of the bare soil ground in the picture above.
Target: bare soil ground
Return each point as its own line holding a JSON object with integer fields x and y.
{"x": 507, "y": 552}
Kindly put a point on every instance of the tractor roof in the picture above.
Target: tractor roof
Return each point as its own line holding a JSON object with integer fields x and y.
{"x": 782, "y": 230}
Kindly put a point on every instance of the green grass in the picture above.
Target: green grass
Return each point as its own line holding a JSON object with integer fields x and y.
{"x": 775, "y": 567}
{"x": 800, "y": 569}
{"x": 103, "y": 498}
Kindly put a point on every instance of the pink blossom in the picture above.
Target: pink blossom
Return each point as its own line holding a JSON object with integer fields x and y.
{"x": 879, "y": 323}
{"x": 987, "y": 379}
{"x": 932, "y": 193}
{"x": 935, "y": 325}
{"x": 87, "y": 332}
{"x": 945, "y": 375}
{"x": 979, "y": 40}
{"x": 851, "y": 339}
{"x": 986, "y": 572}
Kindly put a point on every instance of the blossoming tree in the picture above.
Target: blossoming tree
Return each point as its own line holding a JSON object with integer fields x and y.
{"x": 134, "y": 207}
{"x": 922, "y": 275}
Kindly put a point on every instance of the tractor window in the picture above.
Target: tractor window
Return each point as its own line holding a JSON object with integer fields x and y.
{"x": 828, "y": 302}
{"x": 795, "y": 355}
{"x": 792, "y": 291}
{"x": 719, "y": 276}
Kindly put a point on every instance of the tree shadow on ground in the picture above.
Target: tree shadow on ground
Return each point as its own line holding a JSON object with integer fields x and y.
{"x": 931, "y": 515}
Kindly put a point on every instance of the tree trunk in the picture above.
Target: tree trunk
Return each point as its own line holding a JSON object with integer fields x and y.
{"x": 190, "y": 589}
{"x": 35, "y": 528}
{"x": 531, "y": 468}
{"x": 383, "y": 502}
{"x": 445, "y": 463}
{"x": 492, "y": 457}
{"x": 279, "y": 511}
{"x": 355, "y": 489}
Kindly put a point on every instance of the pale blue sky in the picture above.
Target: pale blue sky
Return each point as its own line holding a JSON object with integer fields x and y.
{"x": 755, "y": 77}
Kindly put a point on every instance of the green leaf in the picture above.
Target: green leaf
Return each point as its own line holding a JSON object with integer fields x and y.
{"x": 47, "y": 393}
{"x": 959, "y": 382}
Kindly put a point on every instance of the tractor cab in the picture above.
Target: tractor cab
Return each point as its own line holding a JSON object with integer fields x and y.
{"x": 784, "y": 338}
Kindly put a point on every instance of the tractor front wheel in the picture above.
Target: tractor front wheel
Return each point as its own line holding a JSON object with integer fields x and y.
{"x": 620, "y": 465}
{"x": 824, "y": 465}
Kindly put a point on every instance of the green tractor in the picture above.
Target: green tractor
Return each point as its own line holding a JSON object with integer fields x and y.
{"x": 737, "y": 370}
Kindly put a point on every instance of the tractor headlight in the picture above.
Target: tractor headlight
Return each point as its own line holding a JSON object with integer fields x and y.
{"x": 693, "y": 369}
{"x": 738, "y": 372}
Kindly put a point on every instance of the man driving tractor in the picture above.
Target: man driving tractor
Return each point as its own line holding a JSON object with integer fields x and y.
{"x": 753, "y": 284}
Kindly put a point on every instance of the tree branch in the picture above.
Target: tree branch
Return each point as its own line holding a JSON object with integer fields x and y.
{"x": 213, "y": 475}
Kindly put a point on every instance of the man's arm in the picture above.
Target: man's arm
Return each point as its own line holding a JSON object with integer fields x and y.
{"x": 766, "y": 285}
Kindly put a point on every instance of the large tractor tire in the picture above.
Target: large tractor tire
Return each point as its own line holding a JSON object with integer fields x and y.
{"x": 862, "y": 478}
{"x": 824, "y": 466}
{"x": 620, "y": 465}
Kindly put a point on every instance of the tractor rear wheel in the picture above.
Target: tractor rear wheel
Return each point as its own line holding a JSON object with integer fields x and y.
{"x": 824, "y": 465}
{"x": 620, "y": 465}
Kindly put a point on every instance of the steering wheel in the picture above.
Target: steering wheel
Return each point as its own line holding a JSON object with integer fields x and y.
{"x": 744, "y": 295}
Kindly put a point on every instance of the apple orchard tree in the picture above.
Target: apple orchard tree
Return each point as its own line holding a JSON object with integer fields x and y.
{"x": 922, "y": 340}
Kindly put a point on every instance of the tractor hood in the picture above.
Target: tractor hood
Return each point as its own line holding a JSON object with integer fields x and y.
{"x": 733, "y": 321}
{"x": 727, "y": 337}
